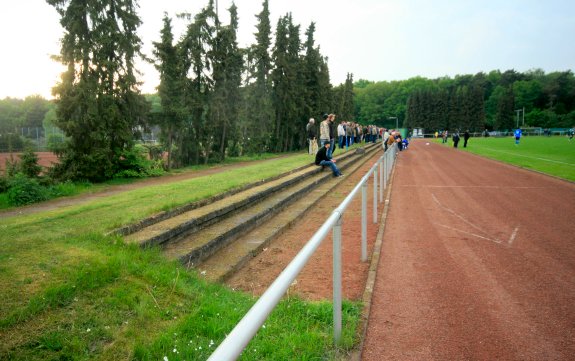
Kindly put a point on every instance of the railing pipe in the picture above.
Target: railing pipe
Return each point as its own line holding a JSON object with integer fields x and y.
{"x": 337, "y": 295}
{"x": 364, "y": 222}
{"x": 233, "y": 345}
{"x": 375, "y": 196}
{"x": 237, "y": 340}
{"x": 381, "y": 184}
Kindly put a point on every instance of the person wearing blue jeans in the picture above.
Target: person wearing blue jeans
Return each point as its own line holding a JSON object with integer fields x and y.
{"x": 324, "y": 159}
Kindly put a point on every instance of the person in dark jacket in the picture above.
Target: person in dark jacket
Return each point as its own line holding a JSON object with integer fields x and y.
{"x": 324, "y": 159}
{"x": 332, "y": 133}
{"x": 455, "y": 139}
{"x": 311, "y": 136}
{"x": 465, "y": 138}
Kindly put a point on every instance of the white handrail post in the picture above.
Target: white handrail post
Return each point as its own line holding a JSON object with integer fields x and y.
{"x": 385, "y": 161}
{"x": 375, "y": 196}
{"x": 381, "y": 184}
{"x": 337, "y": 280}
{"x": 364, "y": 221}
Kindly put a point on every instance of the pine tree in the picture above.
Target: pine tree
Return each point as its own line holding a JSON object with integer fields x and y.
{"x": 99, "y": 104}
{"x": 261, "y": 117}
{"x": 197, "y": 45}
{"x": 347, "y": 109}
{"x": 170, "y": 89}
{"x": 227, "y": 70}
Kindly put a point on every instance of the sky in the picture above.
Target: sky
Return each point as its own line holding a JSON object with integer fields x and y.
{"x": 376, "y": 40}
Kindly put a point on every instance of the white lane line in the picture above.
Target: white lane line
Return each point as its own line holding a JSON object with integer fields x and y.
{"x": 454, "y": 186}
{"x": 513, "y": 235}
{"x": 457, "y": 215}
{"x": 469, "y": 233}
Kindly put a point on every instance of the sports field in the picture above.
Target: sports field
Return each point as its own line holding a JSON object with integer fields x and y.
{"x": 550, "y": 155}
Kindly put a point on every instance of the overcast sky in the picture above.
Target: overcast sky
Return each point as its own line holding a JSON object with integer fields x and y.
{"x": 378, "y": 40}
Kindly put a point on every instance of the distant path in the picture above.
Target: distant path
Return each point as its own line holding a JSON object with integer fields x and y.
{"x": 86, "y": 197}
{"x": 477, "y": 263}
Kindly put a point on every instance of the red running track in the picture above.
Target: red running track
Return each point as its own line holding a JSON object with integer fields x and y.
{"x": 477, "y": 263}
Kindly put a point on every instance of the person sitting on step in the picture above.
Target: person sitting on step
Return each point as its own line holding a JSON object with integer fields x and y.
{"x": 322, "y": 158}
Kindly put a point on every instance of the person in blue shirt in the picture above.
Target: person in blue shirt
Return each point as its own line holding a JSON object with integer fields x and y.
{"x": 517, "y": 136}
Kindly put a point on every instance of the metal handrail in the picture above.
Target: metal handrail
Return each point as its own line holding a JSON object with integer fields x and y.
{"x": 233, "y": 345}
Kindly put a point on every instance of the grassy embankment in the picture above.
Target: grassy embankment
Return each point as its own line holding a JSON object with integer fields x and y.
{"x": 551, "y": 155}
{"x": 69, "y": 292}
{"x": 68, "y": 189}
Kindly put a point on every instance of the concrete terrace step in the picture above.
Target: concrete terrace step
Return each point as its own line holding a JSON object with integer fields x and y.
{"x": 235, "y": 255}
{"x": 169, "y": 227}
{"x": 197, "y": 246}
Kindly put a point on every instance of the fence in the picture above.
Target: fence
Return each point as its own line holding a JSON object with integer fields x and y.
{"x": 244, "y": 331}
{"x": 42, "y": 139}
{"x": 39, "y": 139}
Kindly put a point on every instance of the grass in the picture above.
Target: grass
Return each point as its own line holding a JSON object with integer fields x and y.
{"x": 77, "y": 188}
{"x": 550, "y": 155}
{"x": 71, "y": 293}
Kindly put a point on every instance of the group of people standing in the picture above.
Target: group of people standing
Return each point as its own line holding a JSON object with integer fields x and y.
{"x": 455, "y": 137}
{"x": 346, "y": 133}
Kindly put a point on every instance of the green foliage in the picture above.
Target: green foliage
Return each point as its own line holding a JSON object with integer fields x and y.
{"x": 83, "y": 295}
{"x": 18, "y": 113}
{"x": 135, "y": 164}
{"x": 4, "y": 184}
{"x": 471, "y": 101}
{"x": 11, "y": 142}
{"x": 98, "y": 104}
{"x": 28, "y": 164}
{"x": 24, "y": 190}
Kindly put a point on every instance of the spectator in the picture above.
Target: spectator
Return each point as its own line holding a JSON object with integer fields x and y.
{"x": 324, "y": 159}
{"x": 311, "y": 136}
{"x": 349, "y": 135}
{"x": 340, "y": 134}
{"x": 455, "y": 137}
{"x": 324, "y": 131}
{"x": 332, "y": 133}
{"x": 465, "y": 138}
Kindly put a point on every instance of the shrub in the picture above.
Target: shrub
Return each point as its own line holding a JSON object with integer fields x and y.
{"x": 29, "y": 164}
{"x": 24, "y": 190}
{"x": 135, "y": 164}
{"x": 3, "y": 184}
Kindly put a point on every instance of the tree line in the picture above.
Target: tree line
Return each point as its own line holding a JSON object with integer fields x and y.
{"x": 215, "y": 99}
{"x": 492, "y": 101}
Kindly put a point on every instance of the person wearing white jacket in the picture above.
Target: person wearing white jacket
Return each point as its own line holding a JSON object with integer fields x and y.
{"x": 340, "y": 134}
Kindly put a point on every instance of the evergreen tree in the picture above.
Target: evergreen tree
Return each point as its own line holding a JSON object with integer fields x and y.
{"x": 197, "y": 46}
{"x": 347, "y": 108}
{"x": 318, "y": 90}
{"x": 99, "y": 104}
{"x": 227, "y": 70}
{"x": 261, "y": 115}
{"x": 170, "y": 89}
{"x": 298, "y": 113}
{"x": 287, "y": 79}
{"x": 280, "y": 77}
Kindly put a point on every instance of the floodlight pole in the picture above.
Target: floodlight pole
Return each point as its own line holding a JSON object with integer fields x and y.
{"x": 517, "y": 111}
{"x": 396, "y": 122}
